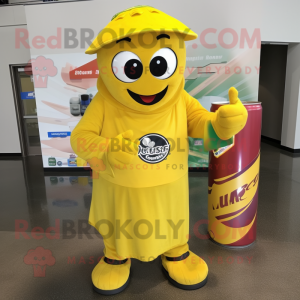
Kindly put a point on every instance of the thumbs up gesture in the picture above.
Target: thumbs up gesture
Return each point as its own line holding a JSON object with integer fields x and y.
{"x": 230, "y": 119}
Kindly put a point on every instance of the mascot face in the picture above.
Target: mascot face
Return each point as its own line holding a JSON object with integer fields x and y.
{"x": 143, "y": 71}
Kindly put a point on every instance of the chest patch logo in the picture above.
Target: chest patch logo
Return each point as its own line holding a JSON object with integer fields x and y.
{"x": 153, "y": 148}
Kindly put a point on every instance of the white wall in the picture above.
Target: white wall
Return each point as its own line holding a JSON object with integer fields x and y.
{"x": 291, "y": 112}
{"x": 10, "y": 18}
{"x": 12, "y": 15}
{"x": 280, "y": 21}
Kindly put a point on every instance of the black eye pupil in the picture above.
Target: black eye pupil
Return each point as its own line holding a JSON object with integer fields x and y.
{"x": 133, "y": 69}
{"x": 158, "y": 66}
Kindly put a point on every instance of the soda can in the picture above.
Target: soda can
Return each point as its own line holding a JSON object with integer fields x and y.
{"x": 233, "y": 183}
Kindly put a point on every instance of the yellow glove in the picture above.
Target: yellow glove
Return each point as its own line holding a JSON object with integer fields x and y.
{"x": 230, "y": 119}
{"x": 122, "y": 149}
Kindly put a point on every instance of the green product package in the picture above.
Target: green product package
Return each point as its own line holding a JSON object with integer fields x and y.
{"x": 198, "y": 156}
{"x": 51, "y": 161}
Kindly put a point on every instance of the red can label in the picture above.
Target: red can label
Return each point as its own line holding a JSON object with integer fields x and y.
{"x": 233, "y": 184}
{"x": 232, "y": 205}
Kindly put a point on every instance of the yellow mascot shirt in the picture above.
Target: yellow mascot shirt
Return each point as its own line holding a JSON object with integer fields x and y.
{"x": 148, "y": 199}
{"x": 163, "y": 151}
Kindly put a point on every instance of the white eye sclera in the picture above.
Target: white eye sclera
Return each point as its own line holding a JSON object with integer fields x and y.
{"x": 127, "y": 66}
{"x": 163, "y": 63}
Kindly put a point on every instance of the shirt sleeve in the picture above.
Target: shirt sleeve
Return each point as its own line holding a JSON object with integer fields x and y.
{"x": 199, "y": 124}
{"x": 86, "y": 139}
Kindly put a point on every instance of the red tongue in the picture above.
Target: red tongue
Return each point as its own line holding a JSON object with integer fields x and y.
{"x": 147, "y": 99}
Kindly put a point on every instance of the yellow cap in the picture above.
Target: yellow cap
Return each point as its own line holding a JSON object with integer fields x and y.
{"x": 135, "y": 20}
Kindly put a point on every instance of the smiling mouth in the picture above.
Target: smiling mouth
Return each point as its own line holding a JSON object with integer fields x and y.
{"x": 148, "y": 99}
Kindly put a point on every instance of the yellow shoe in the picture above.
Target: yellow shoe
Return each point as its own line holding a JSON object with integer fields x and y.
{"x": 111, "y": 277}
{"x": 187, "y": 272}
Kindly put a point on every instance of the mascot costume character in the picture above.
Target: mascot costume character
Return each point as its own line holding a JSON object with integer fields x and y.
{"x": 134, "y": 135}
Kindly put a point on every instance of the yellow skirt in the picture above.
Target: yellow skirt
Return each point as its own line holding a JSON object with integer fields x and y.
{"x": 141, "y": 223}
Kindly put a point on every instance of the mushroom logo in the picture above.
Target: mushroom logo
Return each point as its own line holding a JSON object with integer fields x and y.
{"x": 42, "y": 68}
{"x": 97, "y": 164}
{"x": 39, "y": 258}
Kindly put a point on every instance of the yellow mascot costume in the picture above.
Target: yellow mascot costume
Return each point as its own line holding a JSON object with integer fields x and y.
{"x": 134, "y": 135}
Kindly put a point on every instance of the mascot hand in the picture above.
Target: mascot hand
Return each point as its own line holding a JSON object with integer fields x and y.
{"x": 229, "y": 119}
{"x": 122, "y": 149}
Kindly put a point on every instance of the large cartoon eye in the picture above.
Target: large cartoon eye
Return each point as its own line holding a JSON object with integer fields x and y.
{"x": 127, "y": 66}
{"x": 163, "y": 63}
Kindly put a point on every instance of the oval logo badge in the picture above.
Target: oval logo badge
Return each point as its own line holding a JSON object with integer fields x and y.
{"x": 153, "y": 148}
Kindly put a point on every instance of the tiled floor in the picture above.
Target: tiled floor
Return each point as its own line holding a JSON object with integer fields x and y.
{"x": 269, "y": 269}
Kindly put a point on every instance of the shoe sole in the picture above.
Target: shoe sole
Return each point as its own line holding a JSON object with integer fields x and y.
{"x": 112, "y": 292}
{"x": 184, "y": 286}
